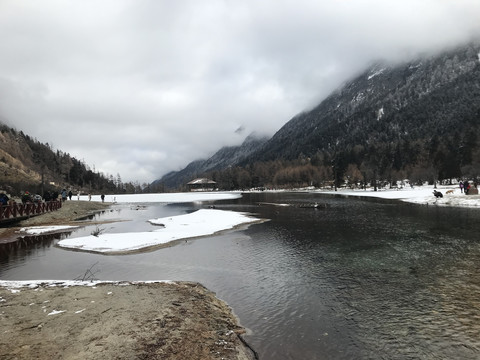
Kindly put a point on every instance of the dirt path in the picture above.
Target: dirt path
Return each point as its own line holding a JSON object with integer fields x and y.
{"x": 118, "y": 321}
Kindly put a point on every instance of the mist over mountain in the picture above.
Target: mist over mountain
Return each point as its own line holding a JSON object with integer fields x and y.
{"x": 417, "y": 120}
{"x": 226, "y": 157}
{"x": 419, "y": 99}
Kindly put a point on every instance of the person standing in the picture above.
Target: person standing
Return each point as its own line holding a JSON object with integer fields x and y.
{"x": 4, "y": 199}
{"x": 461, "y": 186}
{"x": 102, "y": 197}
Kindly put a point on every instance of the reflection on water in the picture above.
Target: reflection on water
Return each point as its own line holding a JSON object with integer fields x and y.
{"x": 352, "y": 278}
{"x": 93, "y": 216}
{"x": 27, "y": 246}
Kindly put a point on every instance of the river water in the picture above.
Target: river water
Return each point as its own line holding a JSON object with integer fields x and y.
{"x": 353, "y": 278}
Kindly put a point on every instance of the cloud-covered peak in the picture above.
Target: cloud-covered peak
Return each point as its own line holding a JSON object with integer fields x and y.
{"x": 142, "y": 88}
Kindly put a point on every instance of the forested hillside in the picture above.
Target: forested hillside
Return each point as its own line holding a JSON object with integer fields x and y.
{"x": 418, "y": 120}
{"x": 29, "y": 165}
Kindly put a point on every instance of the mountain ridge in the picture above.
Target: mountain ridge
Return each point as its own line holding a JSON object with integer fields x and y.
{"x": 226, "y": 157}
{"x": 392, "y": 120}
{"x": 365, "y": 98}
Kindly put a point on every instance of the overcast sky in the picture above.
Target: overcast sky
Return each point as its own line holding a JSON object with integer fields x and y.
{"x": 141, "y": 88}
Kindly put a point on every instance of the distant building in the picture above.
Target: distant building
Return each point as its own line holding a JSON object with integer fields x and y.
{"x": 202, "y": 184}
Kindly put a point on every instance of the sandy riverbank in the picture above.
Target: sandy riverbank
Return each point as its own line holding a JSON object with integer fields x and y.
{"x": 112, "y": 321}
{"x": 117, "y": 321}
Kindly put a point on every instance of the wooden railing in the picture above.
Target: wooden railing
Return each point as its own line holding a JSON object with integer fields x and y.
{"x": 17, "y": 210}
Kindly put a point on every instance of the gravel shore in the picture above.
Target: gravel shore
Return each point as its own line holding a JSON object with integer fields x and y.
{"x": 113, "y": 320}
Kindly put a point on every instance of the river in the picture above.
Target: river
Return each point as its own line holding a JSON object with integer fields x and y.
{"x": 352, "y": 278}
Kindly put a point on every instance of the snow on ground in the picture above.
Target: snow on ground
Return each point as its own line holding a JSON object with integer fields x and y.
{"x": 16, "y": 285}
{"x": 210, "y": 221}
{"x": 38, "y": 230}
{"x": 420, "y": 195}
{"x": 199, "y": 223}
{"x": 164, "y": 197}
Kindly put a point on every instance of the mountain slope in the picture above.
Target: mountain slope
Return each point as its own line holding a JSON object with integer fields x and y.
{"x": 425, "y": 113}
{"x": 226, "y": 157}
{"x": 417, "y": 99}
{"x": 27, "y": 164}
{"x": 419, "y": 120}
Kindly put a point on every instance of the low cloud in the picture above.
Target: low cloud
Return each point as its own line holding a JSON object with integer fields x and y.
{"x": 141, "y": 88}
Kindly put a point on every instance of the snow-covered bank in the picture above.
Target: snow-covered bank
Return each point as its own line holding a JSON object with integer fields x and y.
{"x": 199, "y": 223}
{"x": 16, "y": 285}
{"x": 420, "y": 195}
{"x": 41, "y": 230}
{"x": 166, "y": 198}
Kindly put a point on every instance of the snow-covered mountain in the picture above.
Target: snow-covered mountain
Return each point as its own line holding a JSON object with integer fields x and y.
{"x": 410, "y": 118}
{"x": 226, "y": 157}
{"x": 438, "y": 95}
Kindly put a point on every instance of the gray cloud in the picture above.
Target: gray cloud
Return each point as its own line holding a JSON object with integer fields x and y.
{"x": 141, "y": 88}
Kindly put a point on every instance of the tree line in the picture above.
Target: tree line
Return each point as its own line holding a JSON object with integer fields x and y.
{"x": 26, "y": 164}
{"x": 437, "y": 159}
